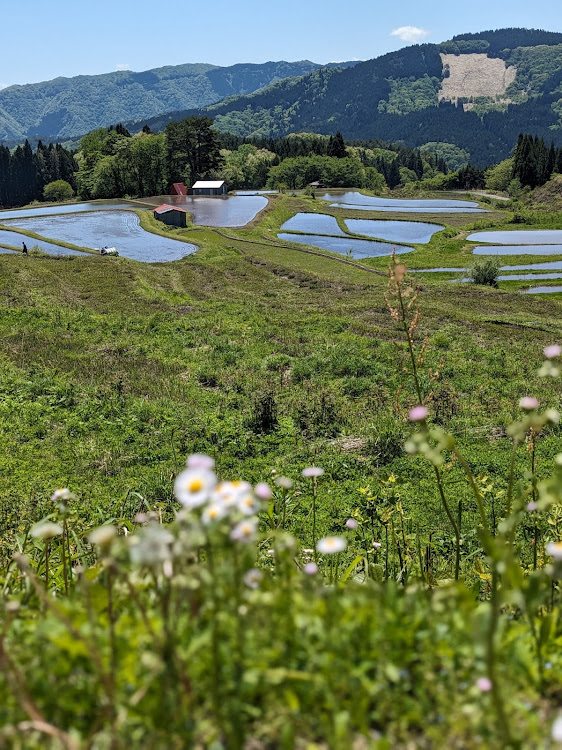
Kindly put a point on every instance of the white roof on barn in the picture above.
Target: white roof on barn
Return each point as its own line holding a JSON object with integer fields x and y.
{"x": 208, "y": 184}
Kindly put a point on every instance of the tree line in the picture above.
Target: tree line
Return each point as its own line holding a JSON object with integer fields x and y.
{"x": 113, "y": 163}
{"x": 534, "y": 162}
{"x": 25, "y": 173}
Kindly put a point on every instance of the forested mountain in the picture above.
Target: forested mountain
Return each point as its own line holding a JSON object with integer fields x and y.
{"x": 476, "y": 91}
{"x": 68, "y": 107}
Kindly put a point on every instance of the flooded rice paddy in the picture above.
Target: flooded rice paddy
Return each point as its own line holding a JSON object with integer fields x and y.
{"x": 72, "y": 208}
{"x": 313, "y": 224}
{"x": 543, "y": 290}
{"x": 532, "y": 237}
{"x": 120, "y": 229}
{"x": 518, "y": 250}
{"x": 347, "y": 246}
{"x": 357, "y": 201}
{"x": 15, "y": 239}
{"x": 217, "y": 211}
{"x": 394, "y": 231}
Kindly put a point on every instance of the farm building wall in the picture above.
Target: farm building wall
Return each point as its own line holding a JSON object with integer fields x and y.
{"x": 172, "y": 218}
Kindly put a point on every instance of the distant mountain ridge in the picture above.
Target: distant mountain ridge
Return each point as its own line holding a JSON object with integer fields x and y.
{"x": 65, "y": 108}
{"x": 476, "y": 91}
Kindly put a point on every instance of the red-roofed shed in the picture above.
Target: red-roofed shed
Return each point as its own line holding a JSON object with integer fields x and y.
{"x": 178, "y": 188}
{"x": 171, "y": 215}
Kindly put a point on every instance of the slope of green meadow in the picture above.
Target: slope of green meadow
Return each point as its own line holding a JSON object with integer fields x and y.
{"x": 267, "y": 357}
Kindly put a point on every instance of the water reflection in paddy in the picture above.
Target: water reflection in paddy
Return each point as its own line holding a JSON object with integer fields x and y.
{"x": 529, "y": 276}
{"x": 518, "y": 250}
{"x": 519, "y": 237}
{"x": 523, "y": 277}
{"x": 73, "y": 208}
{"x": 226, "y": 211}
{"x": 543, "y": 290}
{"x": 120, "y": 229}
{"x": 255, "y": 192}
{"x": 354, "y": 198}
{"x": 346, "y": 245}
{"x": 409, "y": 209}
{"x": 15, "y": 239}
{"x": 394, "y": 231}
{"x": 555, "y": 265}
{"x": 313, "y": 224}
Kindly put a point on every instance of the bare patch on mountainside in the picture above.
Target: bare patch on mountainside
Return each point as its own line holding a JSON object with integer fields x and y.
{"x": 475, "y": 75}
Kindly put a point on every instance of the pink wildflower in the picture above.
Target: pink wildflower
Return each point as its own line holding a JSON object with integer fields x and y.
{"x": 200, "y": 461}
{"x": 263, "y": 491}
{"x": 312, "y": 471}
{"x": 418, "y": 414}
{"x": 552, "y": 351}
{"x": 528, "y": 403}
{"x": 484, "y": 684}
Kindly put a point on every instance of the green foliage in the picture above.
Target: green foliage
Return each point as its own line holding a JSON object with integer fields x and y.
{"x": 247, "y": 166}
{"x": 411, "y": 95}
{"x": 533, "y": 161}
{"x": 454, "y": 157}
{"x": 57, "y": 191}
{"x": 485, "y": 272}
{"x": 192, "y": 149}
{"x": 535, "y": 66}
{"x": 264, "y": 417}
{"x": 465, "y": 47}
{"x": 332, "y": 171}
{"x": 500, "y": 176}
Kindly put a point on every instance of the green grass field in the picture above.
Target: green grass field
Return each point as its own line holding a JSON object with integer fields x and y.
{"x": 113, "y": 371}
{"x": 272, "y": 358}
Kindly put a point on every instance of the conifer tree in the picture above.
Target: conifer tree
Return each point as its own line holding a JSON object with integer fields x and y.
{"x": 336, "y": 146}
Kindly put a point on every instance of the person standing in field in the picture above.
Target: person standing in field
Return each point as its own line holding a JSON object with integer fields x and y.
{"x": 24, "y": 250}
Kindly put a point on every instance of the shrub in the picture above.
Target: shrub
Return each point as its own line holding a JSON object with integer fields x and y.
{"x": 263, "y": 418}
{"x": 485, "y": 272}
{"x": 319, "y": 414}
{"x": 58, "y": 191}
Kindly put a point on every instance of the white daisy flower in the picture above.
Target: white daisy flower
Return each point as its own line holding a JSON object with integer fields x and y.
{"x": 229, "y": 493}
{"x": 252, "y": 578}
{"x": 263, "y": 491}
{"x": 213, "y": 512}
{"x": 248, "y": 505}
{"x": 331, "y": 544}
{"x": 193, "y": 487}
{"x": 152, "y": 546}
{"x": 245, "y": 531}
{"x": 103, "y": 535}
{"x": 46, "y": 530}
{"x": 62, "y": 494}
{"x": 554, "y": 549}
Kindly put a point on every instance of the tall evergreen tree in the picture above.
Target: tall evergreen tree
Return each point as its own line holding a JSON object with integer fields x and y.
{"x": 336, "y": 146}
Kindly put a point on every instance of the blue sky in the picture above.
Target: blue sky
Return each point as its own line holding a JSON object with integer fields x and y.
{"x": 66, "y": 38}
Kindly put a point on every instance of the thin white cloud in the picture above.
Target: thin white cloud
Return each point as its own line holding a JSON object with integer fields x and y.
{"x": 122, "y": 66}
{"x": 410, "y": 33}
{"x": 3, "y": 86}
